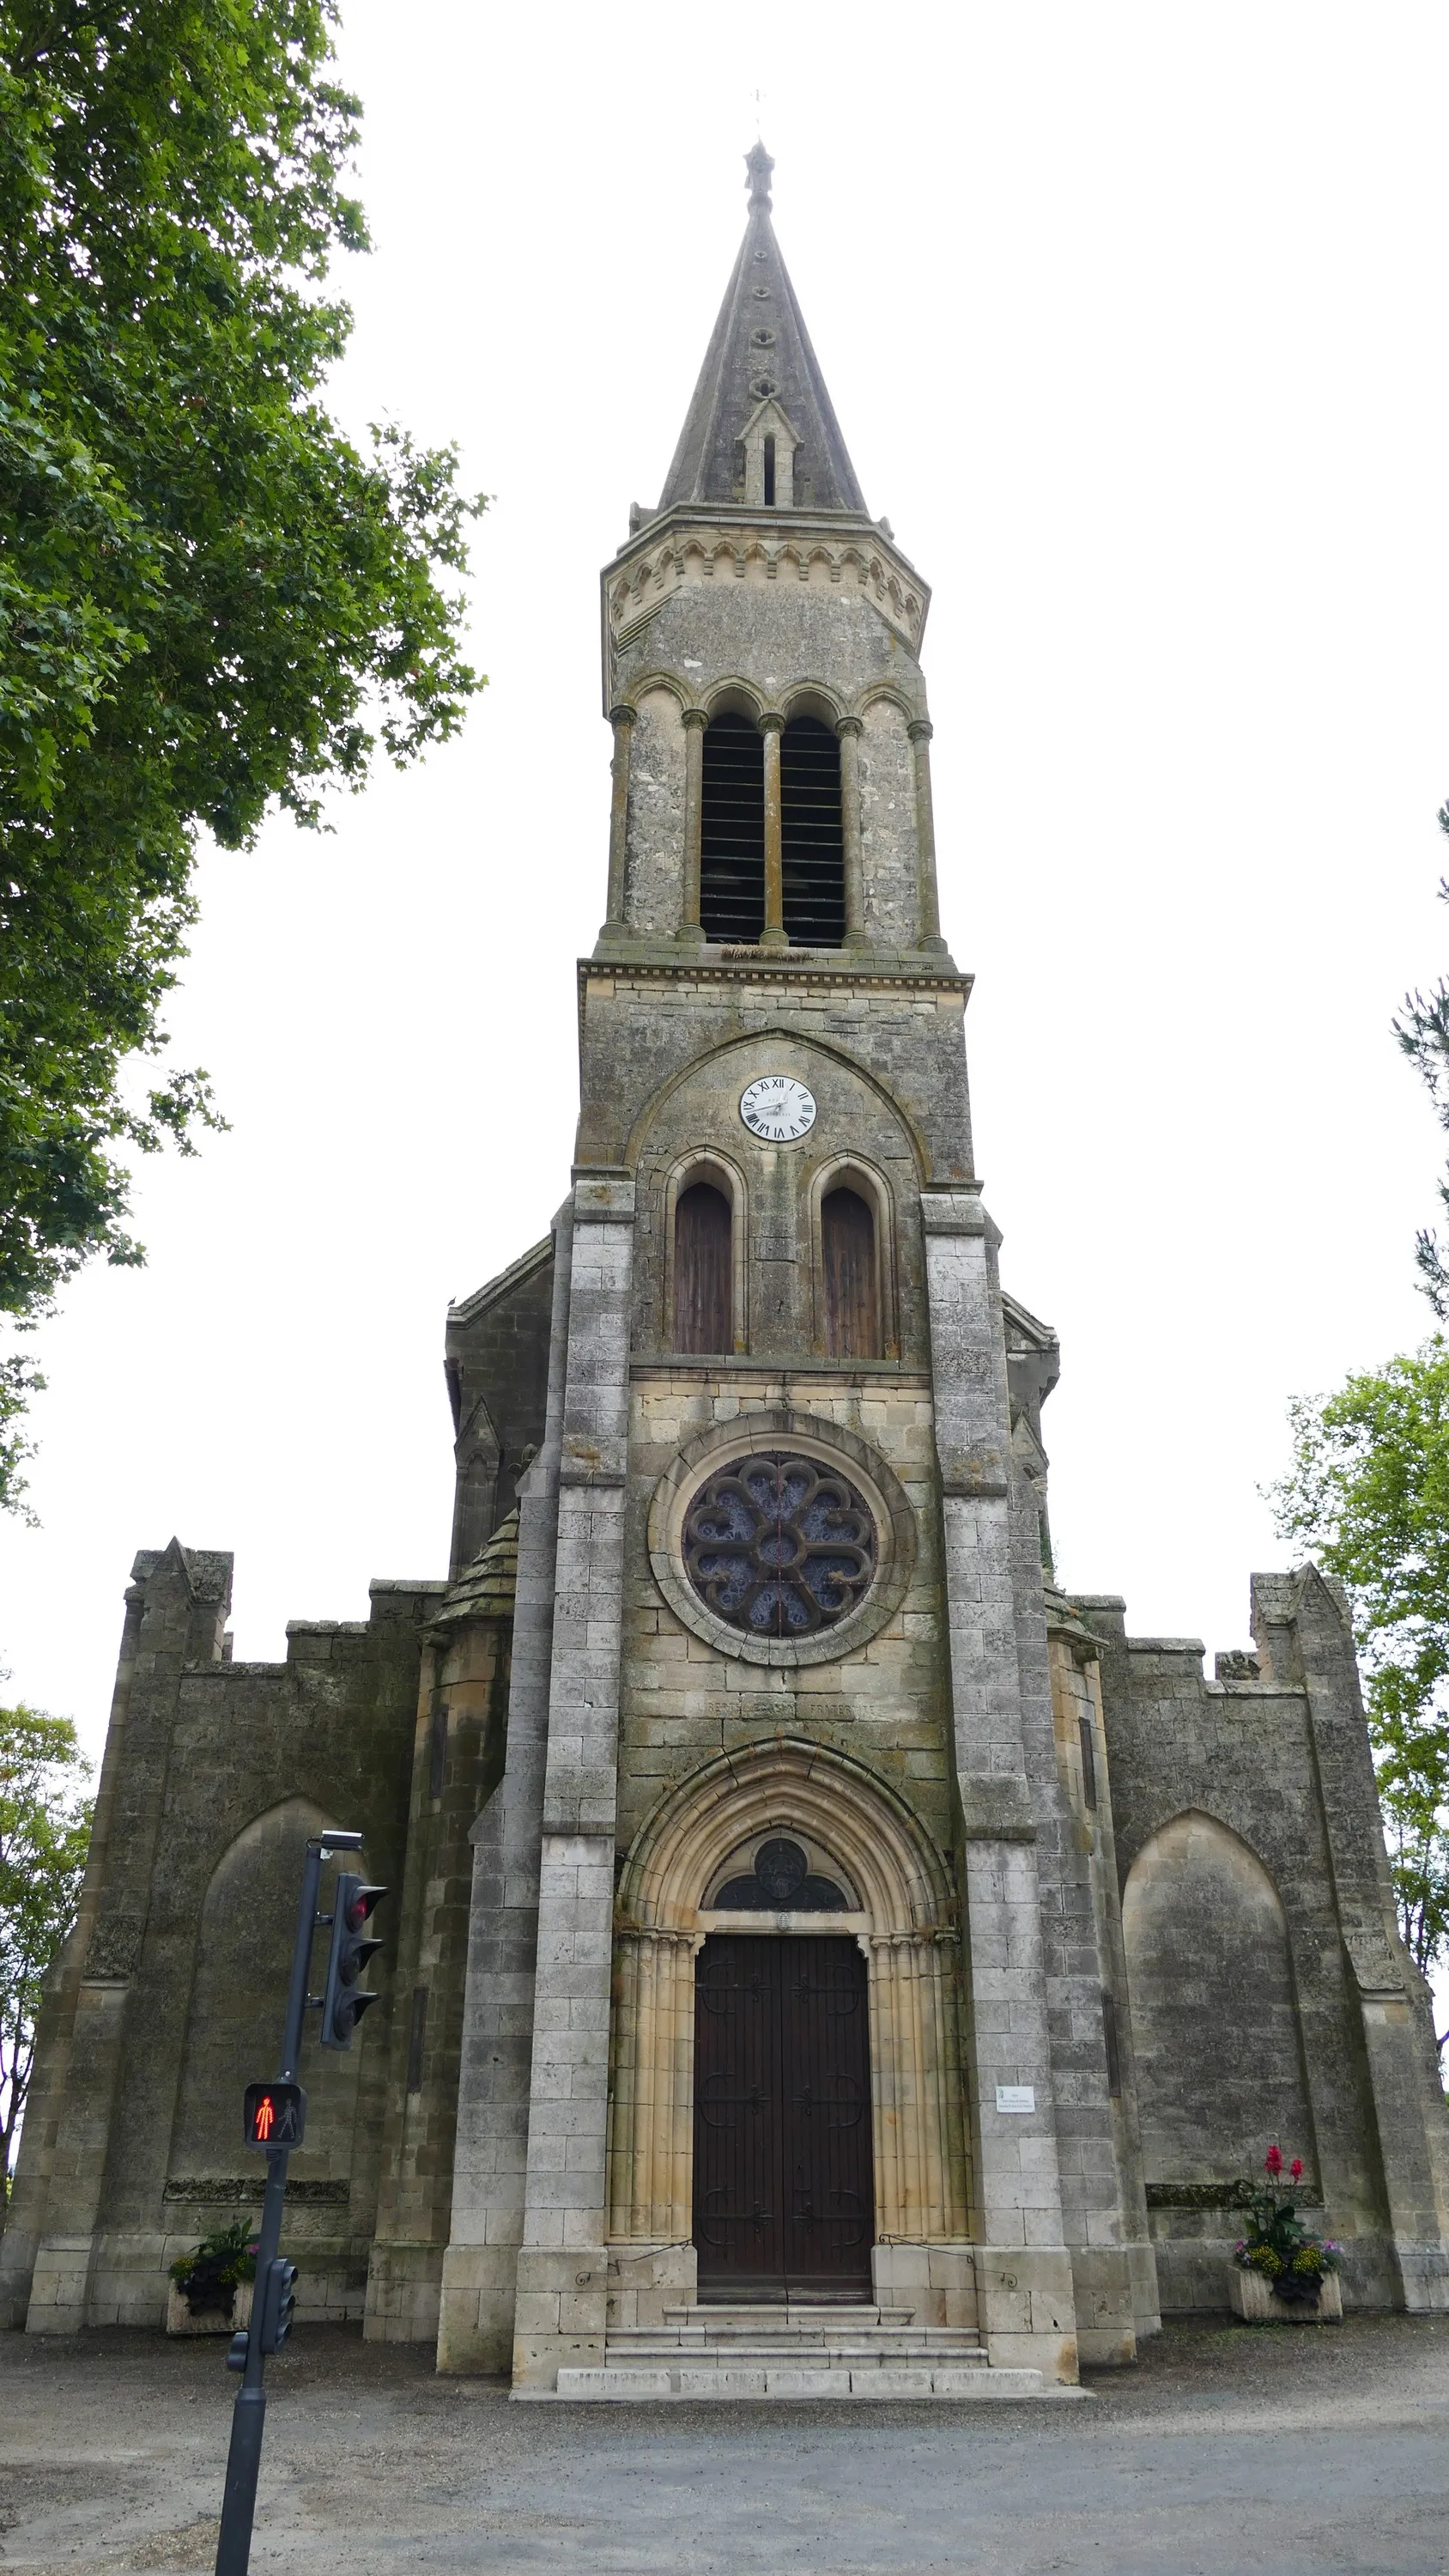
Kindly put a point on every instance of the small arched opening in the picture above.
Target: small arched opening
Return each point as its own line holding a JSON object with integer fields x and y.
{"x": 812, "y": 834}
{"x": 851, "y": 1275}
{"x": 703, "y": 1269}
{"x": 732, "y": 831}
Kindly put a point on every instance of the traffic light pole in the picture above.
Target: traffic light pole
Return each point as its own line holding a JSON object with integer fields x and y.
{"x": 238, "y": 2505}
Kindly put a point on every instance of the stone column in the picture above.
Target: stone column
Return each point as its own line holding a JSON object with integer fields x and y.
{"x": 562, "y": 2267}
{"x": 773, "y": 936}
{"x": 927, "y": 900}
{"x": 622, "y": 720}
{"x": 479, "y": 2279}
{"x": 1024, "y": 2275}
{"x": 695, "y": 721}
{"x": 850, "y": 729}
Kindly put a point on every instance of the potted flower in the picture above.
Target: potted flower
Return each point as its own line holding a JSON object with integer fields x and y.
{"x": 1279, "y": 2272}
{"x": 211, "y": 2287}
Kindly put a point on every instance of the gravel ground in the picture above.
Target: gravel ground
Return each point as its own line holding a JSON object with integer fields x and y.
{"x": 1228, "y": 2448}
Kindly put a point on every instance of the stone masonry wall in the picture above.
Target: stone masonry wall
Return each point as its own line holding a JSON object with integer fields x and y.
{"x": 1239, "y": 1754}
{"x": 683, "y": 1701}
{"x": 139, "y": 2150}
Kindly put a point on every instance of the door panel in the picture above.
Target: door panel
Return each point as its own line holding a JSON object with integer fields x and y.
{"x": 783, "y": 2198}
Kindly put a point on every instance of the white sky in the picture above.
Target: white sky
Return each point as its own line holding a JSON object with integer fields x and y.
{"x": 1134, "y": 319}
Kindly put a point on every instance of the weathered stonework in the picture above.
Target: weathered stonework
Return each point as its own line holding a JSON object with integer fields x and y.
{"x": 1120, "y": 1924}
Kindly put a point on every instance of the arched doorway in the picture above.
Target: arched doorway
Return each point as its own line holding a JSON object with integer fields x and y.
{"x": 783, "y": 2197}
{"x": 785, "y": 2079}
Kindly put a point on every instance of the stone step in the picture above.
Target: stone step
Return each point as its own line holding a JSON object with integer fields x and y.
{"x": 757, "y": 2312}
{"x": 879, "y": 2343}
{"x": 789, "y": 2381}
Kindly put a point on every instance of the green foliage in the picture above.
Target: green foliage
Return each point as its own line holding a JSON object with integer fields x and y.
{"x": 1368, "y": 1495}
{"x": 1277, "y": 2244}
{"x": 211, "y": 603}
{"x": 209, "y": 2274}
{"x": 45, "y": 1828}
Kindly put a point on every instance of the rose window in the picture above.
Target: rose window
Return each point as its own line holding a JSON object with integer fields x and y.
{"x": 779, "y": 1546}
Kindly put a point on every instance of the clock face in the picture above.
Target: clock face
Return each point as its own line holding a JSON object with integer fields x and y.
{"x": 778, "y": 1108}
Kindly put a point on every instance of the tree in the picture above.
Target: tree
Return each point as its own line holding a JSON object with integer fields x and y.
{"x": 1368, "y": 1494}
{"x": 45, "y": 1831}
{"x": 1423, "y": 1033}
{"x": 211, "y": 602}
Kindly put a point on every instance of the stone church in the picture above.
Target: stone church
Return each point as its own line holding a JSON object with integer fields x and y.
{"x": 822, "y": 1955}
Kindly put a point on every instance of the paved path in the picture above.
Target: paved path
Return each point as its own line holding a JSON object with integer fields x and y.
{"x": 1295, "y": 2451}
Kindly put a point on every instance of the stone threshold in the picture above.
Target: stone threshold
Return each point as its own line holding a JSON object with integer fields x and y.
{"x": 882, "y": 2383}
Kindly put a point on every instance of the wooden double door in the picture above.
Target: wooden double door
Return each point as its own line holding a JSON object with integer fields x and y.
{"x": 783, "y": 2197}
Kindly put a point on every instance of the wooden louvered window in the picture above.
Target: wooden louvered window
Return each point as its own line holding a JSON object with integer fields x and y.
{"x": 703, "y": 1264}
{"x": 852, "y": 1294}
{"x": 732, "y": 832}
{"x": 812, "y": 836}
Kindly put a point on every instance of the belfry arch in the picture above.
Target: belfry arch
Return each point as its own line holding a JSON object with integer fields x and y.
{"x": 904, "y": 1919}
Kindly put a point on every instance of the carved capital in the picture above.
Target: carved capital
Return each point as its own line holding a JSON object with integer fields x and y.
{"x": 623, "y": 714}
{"x": 695, "y": 716}
{"x": 920, "y": 729}
{"x": 774, "y": 722}
{"x": 849, "y": 724}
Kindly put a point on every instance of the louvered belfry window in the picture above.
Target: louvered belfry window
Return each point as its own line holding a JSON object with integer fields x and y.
{"x": 852, "y": 1297}
{"x": 703, "y": 1230}
{"x": 814, "y": 843}
{"x": 732, "y": 832}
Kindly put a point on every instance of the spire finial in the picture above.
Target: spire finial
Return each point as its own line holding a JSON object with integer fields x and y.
{"x": 759, "y": 166}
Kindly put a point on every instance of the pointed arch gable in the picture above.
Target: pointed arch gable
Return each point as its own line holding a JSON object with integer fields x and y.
{"x": 747, "y": 1048}
{"x": 883, "y": 1849}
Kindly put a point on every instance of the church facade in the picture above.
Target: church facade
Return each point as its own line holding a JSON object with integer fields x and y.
{"x": 817, "y": 1944}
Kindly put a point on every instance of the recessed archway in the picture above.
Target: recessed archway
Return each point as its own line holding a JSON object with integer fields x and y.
{"x": 903, "y": 1917}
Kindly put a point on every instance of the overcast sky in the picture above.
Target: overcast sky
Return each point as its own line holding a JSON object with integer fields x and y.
{"x": 1135, "y": 323}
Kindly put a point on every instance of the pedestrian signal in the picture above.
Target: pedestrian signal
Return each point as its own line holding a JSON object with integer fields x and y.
{"x": 274, "y": 2115}
{"x": 345, "y": 2001}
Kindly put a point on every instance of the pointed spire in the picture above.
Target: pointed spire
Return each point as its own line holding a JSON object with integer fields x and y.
{"x": 760, "y": 352}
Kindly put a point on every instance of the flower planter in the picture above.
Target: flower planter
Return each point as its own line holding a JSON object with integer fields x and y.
{"x": 1251, "y": 2298}
{"x": 182, "y": 2320}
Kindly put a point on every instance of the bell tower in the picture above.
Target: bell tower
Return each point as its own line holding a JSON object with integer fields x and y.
{"x": 772, "y": 782}
{"x": 780, "y": 1619}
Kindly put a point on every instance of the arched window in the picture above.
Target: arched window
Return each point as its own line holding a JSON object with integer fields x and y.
{"x": 732, "y": 831}
{"x": 852, "y": 1293}
{"x": 769, "y": 473}
{"x": 703, "y": 1267}
{"x": 813, "y": 840}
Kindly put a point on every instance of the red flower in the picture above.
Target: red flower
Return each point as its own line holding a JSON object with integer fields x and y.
{"x": 1273, "y": 2162}
{"x": 1296, "y": 2169}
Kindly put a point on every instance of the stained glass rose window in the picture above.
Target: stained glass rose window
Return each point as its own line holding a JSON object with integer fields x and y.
{"x": 779, "y": 1546}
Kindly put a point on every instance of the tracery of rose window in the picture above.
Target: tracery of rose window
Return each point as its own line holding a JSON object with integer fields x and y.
{"x": 778, "y": 1545}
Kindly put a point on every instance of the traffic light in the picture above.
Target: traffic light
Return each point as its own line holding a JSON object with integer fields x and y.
{"x": 274, "y": 2115}
{"x": 278, "y": 2299}
{"x": 344, "y": 2001}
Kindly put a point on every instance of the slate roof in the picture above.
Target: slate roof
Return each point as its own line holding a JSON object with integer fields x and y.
{"x": 744, "y": 368}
